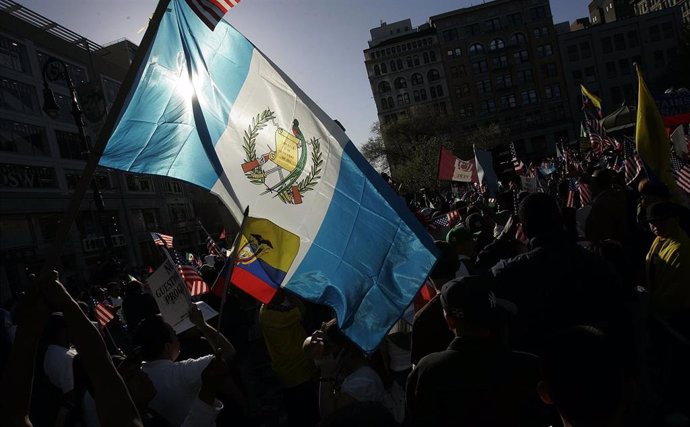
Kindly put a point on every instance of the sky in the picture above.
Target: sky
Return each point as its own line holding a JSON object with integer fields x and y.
{"x": 318, "y": 43}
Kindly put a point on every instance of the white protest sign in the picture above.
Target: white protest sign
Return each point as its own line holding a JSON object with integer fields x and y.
{"x": 171, "y": 294}
{"x": 205, "y": 310}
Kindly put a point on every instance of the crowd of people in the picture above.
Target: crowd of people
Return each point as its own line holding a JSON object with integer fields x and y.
{"x": 537, "y": 313}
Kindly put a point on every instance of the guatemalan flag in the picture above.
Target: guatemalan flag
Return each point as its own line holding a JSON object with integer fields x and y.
{"x": 208, "y": 108}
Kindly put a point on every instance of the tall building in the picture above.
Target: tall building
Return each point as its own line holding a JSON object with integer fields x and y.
{"x": 405, "y": 69}
{"x": 601, "y": 57}
{"x": 503, "y": 66}
{"x": 606, "y": 11}
{"x": 645, "y": 6}
{"x": 41, "y": 159}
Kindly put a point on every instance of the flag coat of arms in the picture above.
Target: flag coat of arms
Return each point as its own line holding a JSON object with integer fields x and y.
{"x": 209, "y": 108}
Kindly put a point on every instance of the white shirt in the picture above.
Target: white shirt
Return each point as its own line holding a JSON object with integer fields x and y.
{"x": 203, "y": 414}
{"x": 364, "y": 385}
{"x": 57, "y": 366}
{"x": 177, "y": 386}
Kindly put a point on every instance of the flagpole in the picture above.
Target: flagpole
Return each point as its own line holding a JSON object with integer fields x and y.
{"x": 231, "y": 260}
{"x": 94, "y": 156}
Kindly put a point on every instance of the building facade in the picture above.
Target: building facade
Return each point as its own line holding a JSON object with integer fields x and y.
{"x": 41, "y": 160}
{"x": 606, "y": 11}
{"x": 503, "y": 66}
{"x": 601, "y": 57}
{"x": 405, "y": 69}
{"x": 645, "y": 6}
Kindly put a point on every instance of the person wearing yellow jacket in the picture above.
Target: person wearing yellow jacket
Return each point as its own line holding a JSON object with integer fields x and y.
{"x": 668, "y": 262}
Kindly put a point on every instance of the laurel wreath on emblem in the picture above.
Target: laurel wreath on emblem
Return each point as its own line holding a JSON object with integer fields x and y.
{"x": 289, "y": 190}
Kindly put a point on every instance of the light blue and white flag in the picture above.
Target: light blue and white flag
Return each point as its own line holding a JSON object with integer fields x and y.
{"x": 209, "y": 108}
{"x": 485, "y": 171}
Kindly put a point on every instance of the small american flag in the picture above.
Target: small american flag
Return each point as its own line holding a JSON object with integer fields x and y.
{"x": 585, "y": 193}
{"x": 162, "y": 240}
{"x": 195, "y": 283}
{"x": 681, "y": 173}
{"x": 631, "y": 160}
{"x": 572, "y": 194}
{"x": 211, "y": 11}
{"x": 445, "y": 220}
{"x": 104, "y": 314}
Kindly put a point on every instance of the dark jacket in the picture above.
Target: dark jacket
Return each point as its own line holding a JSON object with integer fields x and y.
{"x": 430, "y": 331}
{"x": 556, "y": 285}
{"x": 475, "y": 382}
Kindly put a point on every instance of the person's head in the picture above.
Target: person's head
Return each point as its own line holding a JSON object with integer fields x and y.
{"x": 446, "y": 264}
{"x": 157, "y": 339}
{"x": 462, "y": 241}
{"x": 583, "y": 378}
{"x": 475, "y": 223}
{"x": 134, "y": 287}
{"x": 471, "y": 308}
{"x": 540, "y": 217}
{"x": 663, "y": 218}
{"x": 652, "y": 191}
{"x": 138, "y": 383}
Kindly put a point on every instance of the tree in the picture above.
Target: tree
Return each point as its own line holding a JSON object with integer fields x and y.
{"x": 408, "y": 148}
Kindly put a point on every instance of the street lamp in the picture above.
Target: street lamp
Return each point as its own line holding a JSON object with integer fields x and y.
{"x": 53, "y": 70}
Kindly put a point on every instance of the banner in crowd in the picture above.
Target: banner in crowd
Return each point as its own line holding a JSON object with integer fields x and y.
{"x": 485, "y": 171}
{"x": 674, "y": 107}
{"x": 209, "y": 108}
{"x": 451, "y": 168}
{"x": 171, "y": 294}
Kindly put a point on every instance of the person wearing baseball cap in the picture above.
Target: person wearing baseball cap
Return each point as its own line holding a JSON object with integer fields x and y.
{"x": 668, "y": 261}
{"x": 478, "y": 380}
{"x": 464, "y": 244}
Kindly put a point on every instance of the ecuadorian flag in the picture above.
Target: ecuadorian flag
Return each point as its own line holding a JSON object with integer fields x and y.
{"x": 208, "y": 108}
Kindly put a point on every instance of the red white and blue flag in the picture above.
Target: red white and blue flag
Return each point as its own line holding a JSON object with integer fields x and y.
{"x": 211, "y": 11}
{"x": 161, "y": 239}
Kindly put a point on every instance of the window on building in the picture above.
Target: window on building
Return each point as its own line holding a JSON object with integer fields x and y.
{"x": 425, "y": 57}
{"x": 515, "y": 18}
{"x": 487, "y": 107}
{"x": 416, "y": 60}
{"x": 500, "y": 62}
{"x": 529, "y": 97}
{"x": 472, "y": 30}
{"x": 508, "y": 101}
{"x": 540, "y": 32}
{"x": 18, "y": 97}
{"x": 409, "y": 62}
{"x": 432, "y": 56}
{"x": 417, "y": 79}
{"x": 22, "y": 138}
{"x": 590, "y": 75}
{"x": 466, "y": 110}
{"x": 400, "y": 83}
{"x": 393, "y": 67}
{"x": 658, "y": 58}
{"x": 493, "y": 24}
{"x": 13, "y": 56}
{"x": 433, "y": 75}
{"x": 616, "y": 95}
{"x": 415, "y": 95}
{"x": 480, "y": 67}
{"x": 384, "y": 87}
{"x": 377, "y": 70}
{"x": 504, "y": 81}
{"x": 173, "y": 187}
{"x": 138, "y": 183}
{"x": 518, "y": 39}
{"x": 619, "y": 41}
{"x": 76, "y": 73}
{"x": 399, "y": 63}
{"x": 70, "y": 145}
{"x": 577, "y": 76}
{"x": 521, "y": 57}
{"x": 537, "y": 13}
{"x": 544, "y": 50}
{"x": 586, "y": 50}
{"x": 633, "y": 39}
{"x": 463, "y": 89}
{"x": 422, "y": 94}
{"x": 606, "y": 45}
{"x": 496, "y": 44}
{"x": 483, "y": 86}
{"x": 476, "y": 49}
{"x": 552, "y": 91}
{"x": 102, "y": 177}
{"x": 454, "y": 73}
{"x": 432, "y": 91}
{"x": 384, "y": 68}
{"x": 624, "y": 66}
{"x": 573, "y": 54}
{"x": 384, "y": 103}
{"x": 450, "y": 35}
{"x": 525, "y": 76}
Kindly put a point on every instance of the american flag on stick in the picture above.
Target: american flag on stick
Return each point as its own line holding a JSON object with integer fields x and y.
{"x": 104, "y": 314}
{"x": 585, "y": 193}
{"x": 211, "y": 11}
{"x": 162, "y": 240}
{"x": 631, "y": 160}
{"x": 681, "y": 173}
{"x": 195, "y": 283}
